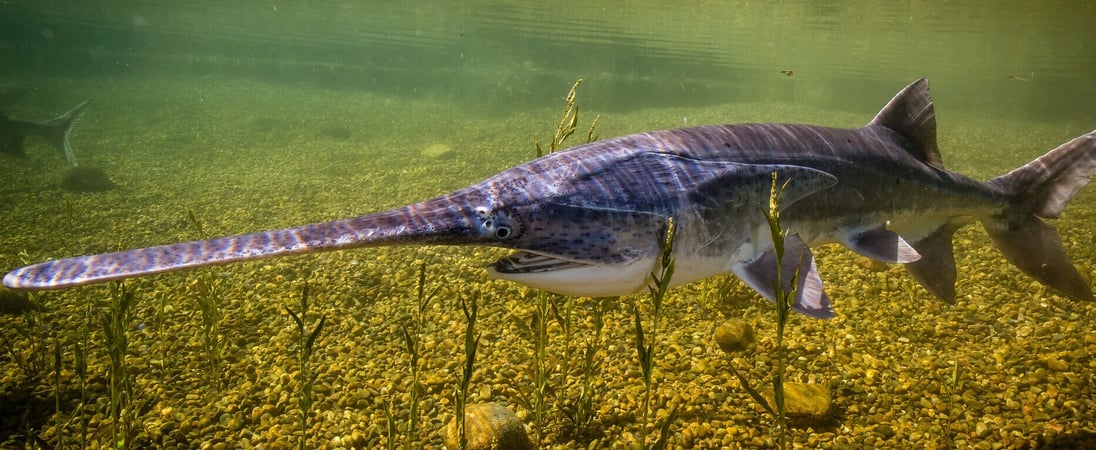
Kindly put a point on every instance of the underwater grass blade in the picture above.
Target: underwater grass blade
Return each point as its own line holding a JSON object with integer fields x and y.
{"x": 411, "y": 345}
{"x": 390, "y": 426}
{"x": 664, "y": 431}
{"x": 81, "y": 369}
{"x": 115, "y": 326}
{"x": 60, "y": 433}
{"x": 161, "y": 325}
{"x": 537, "y": 327}
{"x": 32, "y": 362}
{"x": 197, "y": 224}
{"x": 591, "y": 365}
{"x": 306, "y": 341}
{"x": 645, "y": 341}
{"x": 783, "y": 305}
{"x": 541, "y": 371}
{"x": 568, "y": 123}
{"x": 412, "y": 338}
{"x": 581, "y": 411}
{"x": 206, "y": 290}
{"x": 471, "y": 344}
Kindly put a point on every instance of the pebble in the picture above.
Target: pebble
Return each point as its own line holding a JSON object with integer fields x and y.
{"x": 734, "y": 336}
{"x": 1056, "y": 364}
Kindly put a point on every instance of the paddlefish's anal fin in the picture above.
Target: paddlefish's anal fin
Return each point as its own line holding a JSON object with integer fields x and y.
{"x": 936, "y": 268}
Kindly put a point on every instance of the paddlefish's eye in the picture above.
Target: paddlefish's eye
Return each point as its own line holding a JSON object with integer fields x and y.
{"x": 494, "y": 224}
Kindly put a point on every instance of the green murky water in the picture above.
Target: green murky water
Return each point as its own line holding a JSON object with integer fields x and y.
{"x": 257, "y": 115}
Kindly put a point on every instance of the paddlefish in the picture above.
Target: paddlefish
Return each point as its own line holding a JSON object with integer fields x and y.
{"x": 588, "y": 221}
{"x": 55, "y": 131}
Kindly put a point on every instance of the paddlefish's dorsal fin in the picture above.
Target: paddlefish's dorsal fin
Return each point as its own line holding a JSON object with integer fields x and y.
{"x": 910, "y": 114}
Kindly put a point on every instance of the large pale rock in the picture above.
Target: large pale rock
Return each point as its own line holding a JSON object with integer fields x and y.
{"x": 805, "y": 401}
{"x": 438, "y": 151}
{"x": 489, "y": 426}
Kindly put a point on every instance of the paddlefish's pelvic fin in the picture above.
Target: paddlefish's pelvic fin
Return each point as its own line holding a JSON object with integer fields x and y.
{"x": 810, "y": 296}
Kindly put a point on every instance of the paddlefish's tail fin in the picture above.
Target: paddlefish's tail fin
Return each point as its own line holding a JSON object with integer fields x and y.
{"x": 57, "y": 129}
{"x": 1041, "y": 189}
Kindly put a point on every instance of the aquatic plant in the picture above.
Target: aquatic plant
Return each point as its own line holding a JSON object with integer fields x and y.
{"x": 536, "y": 330}
{"x": 206, "y": 294}
{"x": 412, "y": 338}
{"x": 783, "y": 303}
{"x": 31, "y": 332}
{"x": 783, "y": 306}
{"x": 81, "y": 369}
{"x": 471, "y": 344}
{"x": 306, "y": 341}
{"x": 161, "y": 306}
{"x": 70, "y": 212}
{"x": 542, "y": 372}
{"x": 537, "y": 327}
{"x": 390, "y": 426}
{"x": 115, "y": 326}
{"x": 27, "y": 349}
{"x": 952, "y": 389}
{"x": 645, "y": 341}
{"x": 568, "y": 123}
{"x": 60, "y": 430}
{"x": 563, "y": 312}
{"x": 206, "y": 289}
{"x": 581, "y": 411}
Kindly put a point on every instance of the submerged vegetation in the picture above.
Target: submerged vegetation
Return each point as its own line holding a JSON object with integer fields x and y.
{"x": 470, "y": 307}
{"x": 124, "y": 401}
{"x": 783, "y": 300}
{"x": 645, "y": 342}
{"x": 547, "y": 307}
{"x": 206, "y": 290}
{"x": 413, "y": 334}
{"x": 998, "y": 367}
{"x": 306, "y": 375}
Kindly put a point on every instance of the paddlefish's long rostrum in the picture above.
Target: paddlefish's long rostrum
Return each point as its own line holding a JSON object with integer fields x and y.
{"x": 588, "y": 220}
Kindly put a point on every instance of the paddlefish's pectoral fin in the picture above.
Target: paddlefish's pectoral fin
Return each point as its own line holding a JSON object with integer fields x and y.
{"x": 760, "y": 274}
{"x": 881, "y": 244}
{"x": 936, "y": 268}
